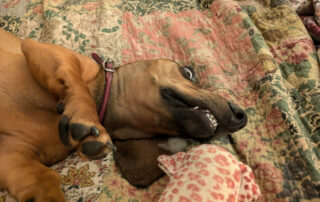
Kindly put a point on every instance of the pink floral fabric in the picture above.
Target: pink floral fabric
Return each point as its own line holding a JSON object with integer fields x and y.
{"x": 207, "y": 173}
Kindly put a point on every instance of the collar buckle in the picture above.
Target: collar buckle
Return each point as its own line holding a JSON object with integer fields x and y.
{"x": 108, "y": 65}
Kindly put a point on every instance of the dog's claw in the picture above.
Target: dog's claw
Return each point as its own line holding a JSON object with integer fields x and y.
{"x": 64, "y": 130}
{"x": 95, "y": 131}
{"x": 111, "y": 146}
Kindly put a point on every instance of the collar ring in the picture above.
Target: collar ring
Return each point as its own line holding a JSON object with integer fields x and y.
{"x": 108, "y": 70}
{"x": 108, "y": 65}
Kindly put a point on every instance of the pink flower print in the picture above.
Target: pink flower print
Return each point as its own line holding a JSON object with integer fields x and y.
{"x": 222, "y": 160}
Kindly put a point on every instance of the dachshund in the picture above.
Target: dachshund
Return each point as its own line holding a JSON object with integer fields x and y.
{"x": 50, "y": 99}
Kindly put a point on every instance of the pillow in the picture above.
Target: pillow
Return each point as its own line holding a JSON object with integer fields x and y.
{"x": 207, "y": 173}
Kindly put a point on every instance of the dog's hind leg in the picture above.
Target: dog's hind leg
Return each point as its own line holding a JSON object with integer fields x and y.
{"x": 66, "y": 75}
{"x": 27, "y": 179}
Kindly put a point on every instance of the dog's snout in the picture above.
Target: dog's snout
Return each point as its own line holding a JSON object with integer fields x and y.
{"x": 238, "y": 118}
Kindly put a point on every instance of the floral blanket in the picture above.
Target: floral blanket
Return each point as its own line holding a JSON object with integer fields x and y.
{"x": 256, "y": 53}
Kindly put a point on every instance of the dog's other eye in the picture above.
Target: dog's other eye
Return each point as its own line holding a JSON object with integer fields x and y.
{"x": 188, "y": 73}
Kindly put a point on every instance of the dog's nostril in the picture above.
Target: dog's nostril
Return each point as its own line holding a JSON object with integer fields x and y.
{"x": 239, "y": 117}
{"x": 237, "y": 111}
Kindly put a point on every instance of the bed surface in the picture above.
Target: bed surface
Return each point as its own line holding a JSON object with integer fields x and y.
{"x": 257, "y": 54}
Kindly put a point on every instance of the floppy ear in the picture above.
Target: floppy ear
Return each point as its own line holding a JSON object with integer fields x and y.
{"x": 137, "y": 159}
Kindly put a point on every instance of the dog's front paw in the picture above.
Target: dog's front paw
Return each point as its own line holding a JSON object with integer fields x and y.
{"x": 91, "y": 139}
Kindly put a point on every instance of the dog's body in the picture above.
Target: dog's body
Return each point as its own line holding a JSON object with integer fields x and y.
{"x": 147, "y": 98}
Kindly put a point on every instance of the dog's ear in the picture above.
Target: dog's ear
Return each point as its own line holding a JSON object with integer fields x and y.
{"x": 46, "y": 59}
{"x": 137, "y": 158}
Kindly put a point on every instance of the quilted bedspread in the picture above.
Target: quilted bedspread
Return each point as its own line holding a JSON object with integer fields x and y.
{"x": 257, "y": 54}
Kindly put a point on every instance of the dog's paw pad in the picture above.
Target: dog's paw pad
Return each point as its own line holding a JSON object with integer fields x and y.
{"x": 64, "y": 130}
{"x": 60, "y": 107}
{"x": 29, "y": 200}
{"x": 79, "y": 131}
{"x": 92, "y": 148}
{"x": 96, "y": 150}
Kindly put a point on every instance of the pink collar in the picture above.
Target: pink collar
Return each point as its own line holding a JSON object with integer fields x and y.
{"x": 108, "y": 68}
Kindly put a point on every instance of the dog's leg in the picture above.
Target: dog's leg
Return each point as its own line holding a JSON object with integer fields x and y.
{"x": 66, "y": 75}
{"x": 27, "y": 179}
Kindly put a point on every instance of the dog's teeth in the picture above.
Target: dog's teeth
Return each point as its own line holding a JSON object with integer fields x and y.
{"x": 211, "y": 117}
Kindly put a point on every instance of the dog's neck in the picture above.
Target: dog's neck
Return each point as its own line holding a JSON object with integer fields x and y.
{"x": 97, "y": 89}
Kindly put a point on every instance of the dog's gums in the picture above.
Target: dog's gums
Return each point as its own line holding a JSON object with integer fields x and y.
{"x": 210, "y": 117}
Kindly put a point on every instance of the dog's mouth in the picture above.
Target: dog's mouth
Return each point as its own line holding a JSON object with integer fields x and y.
{"x": 192, "y": 115}
{"x": 201, "y": 116}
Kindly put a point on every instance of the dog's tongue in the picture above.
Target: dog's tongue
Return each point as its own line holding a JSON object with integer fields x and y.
{"x": 97, "y": 58}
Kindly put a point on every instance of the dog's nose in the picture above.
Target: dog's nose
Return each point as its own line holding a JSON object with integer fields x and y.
{"x": 238, "y": 118}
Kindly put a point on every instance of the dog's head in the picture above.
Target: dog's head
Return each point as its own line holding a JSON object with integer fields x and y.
{"x": 161, "y": 97}
{"x": 156, "y": 99}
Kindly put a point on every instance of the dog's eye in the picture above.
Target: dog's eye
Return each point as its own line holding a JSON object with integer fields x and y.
{"x": 188, "y": 73}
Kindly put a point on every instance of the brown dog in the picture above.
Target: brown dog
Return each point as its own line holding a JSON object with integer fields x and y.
{"x": 148, "y": 98}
